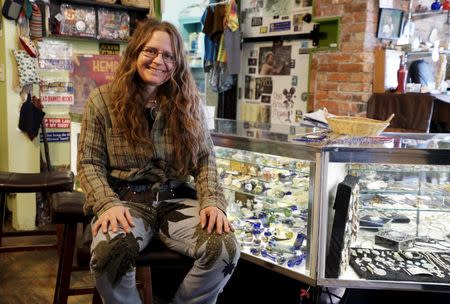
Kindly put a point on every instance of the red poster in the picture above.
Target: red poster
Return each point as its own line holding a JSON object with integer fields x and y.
{"x": 89, "y": 72}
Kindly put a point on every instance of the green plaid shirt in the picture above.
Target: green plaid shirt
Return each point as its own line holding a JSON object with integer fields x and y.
{"x": 104, "y": 155}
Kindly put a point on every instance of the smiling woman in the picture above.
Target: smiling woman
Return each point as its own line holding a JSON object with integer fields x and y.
{"x": 142, "y": 137}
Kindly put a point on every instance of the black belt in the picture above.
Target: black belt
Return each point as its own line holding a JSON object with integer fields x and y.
{"x": 167, "y": 191}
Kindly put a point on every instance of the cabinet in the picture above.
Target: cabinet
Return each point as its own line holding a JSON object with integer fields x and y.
{"x": 271, "y": 189}
{"x": 191, "y": 31}
{"x": 91, "y": 20}
{"x": 394, "y": 205}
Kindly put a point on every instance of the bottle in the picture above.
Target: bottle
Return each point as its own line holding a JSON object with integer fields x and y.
{"x": 446, "y": 5}
{"x": 436, "y": 5}
{"x": 401, "y": 76}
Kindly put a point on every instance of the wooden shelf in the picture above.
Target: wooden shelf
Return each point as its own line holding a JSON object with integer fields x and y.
{"x": 105, "y": 5}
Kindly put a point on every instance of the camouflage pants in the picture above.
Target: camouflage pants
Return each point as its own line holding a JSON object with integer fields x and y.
{"x": 177, "y": 223}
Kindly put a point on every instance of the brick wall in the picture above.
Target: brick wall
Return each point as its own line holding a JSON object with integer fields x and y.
{"x": 341, "y": 80}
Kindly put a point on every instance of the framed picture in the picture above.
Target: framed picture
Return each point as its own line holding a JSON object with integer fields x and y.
{"x": 389, "y": 23}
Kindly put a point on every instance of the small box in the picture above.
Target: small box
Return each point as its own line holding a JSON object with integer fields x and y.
{"x": 370, "y": 222}
{"x": 394, "y": 240}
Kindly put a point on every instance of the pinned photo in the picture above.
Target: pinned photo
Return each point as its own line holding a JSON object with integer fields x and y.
{"x": 252, "y": 70}
{"x": 275, "y": 60}
{"x": 265, "y": 98}
{"x": 252, "y": 61}
{"x": 257, "y": 21}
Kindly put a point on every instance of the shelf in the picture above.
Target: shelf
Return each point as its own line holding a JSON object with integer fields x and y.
{"x": 421, "y": 15}
{"x": 105, "y": 5}
{"x": 81, "y": 38}
{"x": 413, "y": 209}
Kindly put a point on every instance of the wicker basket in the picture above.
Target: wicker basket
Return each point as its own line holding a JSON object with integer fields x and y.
{"x": 138, "y": 3}
{"x": 359, "y": 126}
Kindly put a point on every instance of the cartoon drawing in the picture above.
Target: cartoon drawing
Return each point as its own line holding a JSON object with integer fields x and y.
{"x": 289, "y": 102}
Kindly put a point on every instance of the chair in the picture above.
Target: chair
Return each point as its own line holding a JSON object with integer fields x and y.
{"x": 67, "y": 209}
{"x": 47, "y": 182}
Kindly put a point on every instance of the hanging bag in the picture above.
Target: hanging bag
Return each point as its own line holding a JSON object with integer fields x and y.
{"x": 11, "y": 9}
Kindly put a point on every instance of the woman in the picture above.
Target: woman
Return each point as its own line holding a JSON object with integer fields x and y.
{"x": 142, "y": 137}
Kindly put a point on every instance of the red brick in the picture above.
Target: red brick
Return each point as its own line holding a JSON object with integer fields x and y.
{"x": 355, "y": 87}
{"x": 327, "y": 86}
{"x": 338, "y": 77}
{"x": 327, "y": 68}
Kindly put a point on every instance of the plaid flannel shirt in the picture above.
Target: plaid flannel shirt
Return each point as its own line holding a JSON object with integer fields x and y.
{"x": 104, "y": 155}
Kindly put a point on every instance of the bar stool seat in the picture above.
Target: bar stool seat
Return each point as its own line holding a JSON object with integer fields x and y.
{"x": 67, "y": 209}
{"x": 13, "y": 182}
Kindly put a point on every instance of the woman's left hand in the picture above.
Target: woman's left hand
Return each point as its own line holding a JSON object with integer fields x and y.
{"x": 213, "y": 216}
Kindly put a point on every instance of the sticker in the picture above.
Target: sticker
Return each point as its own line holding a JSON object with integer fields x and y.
{"x": 298, "y": 22}
{"x": 56, "y": 137}
{"x": 252, "y": 61}
{"x": 57, "y": 123}
{"x": 253, "y": 53}
{"x": 280, "y": 26}
{"x": 285, "y": 18}
{"x": 304, "y": 44}
{"x": 292, "y": 63}
{"x": 263, "y": 29}
{"x": 304, "y": 96}
{"x": 294, "y": 81}
{"x": 298, "y": 115}
{"x": 257, "y": 21}
{"x": 303, "y": 51}
{"x": 109, "y": 49}
{"x": 61, "y": 98}
{"x": 252, "y": 70}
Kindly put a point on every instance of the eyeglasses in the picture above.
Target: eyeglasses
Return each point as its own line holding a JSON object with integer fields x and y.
{"x": 152, "y": 52}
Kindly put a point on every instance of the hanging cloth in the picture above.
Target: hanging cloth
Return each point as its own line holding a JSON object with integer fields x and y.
{"x": 31, "y": 116}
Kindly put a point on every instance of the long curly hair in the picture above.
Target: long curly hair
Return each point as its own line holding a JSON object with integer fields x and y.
{"x": 178, "y": 98}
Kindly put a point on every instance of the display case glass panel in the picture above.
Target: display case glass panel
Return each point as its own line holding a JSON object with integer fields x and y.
{"x": 390, "y": 228}
{"x": 270, "y": 192}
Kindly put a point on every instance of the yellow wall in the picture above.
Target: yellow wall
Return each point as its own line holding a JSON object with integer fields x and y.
{"x": 17, "y": 152}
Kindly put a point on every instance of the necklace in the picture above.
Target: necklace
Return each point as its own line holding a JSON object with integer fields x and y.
{"x": 152, "y": 108}
{"x": 151, "y": 103}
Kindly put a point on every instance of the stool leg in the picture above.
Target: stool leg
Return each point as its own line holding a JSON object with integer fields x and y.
{"x": 96, "y": 299}
{"x": 144, "y": 275}
{"x": 2, "y": 214}
{"x": 65, "y": 264}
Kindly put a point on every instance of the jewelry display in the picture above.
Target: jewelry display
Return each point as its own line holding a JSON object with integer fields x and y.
{"x": 404, "y": 223}
{"x": 400, "y": 265}
{"x": 268, "y": 204}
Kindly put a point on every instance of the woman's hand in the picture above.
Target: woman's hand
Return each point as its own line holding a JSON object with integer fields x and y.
{"x": 213, "y": 216}
{"x": 113, "y": 218}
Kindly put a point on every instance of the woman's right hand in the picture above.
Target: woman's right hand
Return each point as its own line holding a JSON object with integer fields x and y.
{"x": 113, "y": 218}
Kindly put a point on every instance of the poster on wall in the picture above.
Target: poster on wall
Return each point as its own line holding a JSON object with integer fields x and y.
{"x": 89, "y": 72}
{"x": 275, "y": 17}
{"x": 274, "y": 82}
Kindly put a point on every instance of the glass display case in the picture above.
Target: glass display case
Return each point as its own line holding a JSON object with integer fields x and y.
{"x": 271, "y": 187}
{"x": 385, "y": 213}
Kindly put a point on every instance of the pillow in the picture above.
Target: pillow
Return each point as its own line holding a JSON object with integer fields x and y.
{"x": 26, "y": 65}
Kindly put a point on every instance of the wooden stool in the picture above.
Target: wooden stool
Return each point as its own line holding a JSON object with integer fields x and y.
{"x": 67, "y": 208}
{"x": 11, "y": 182}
